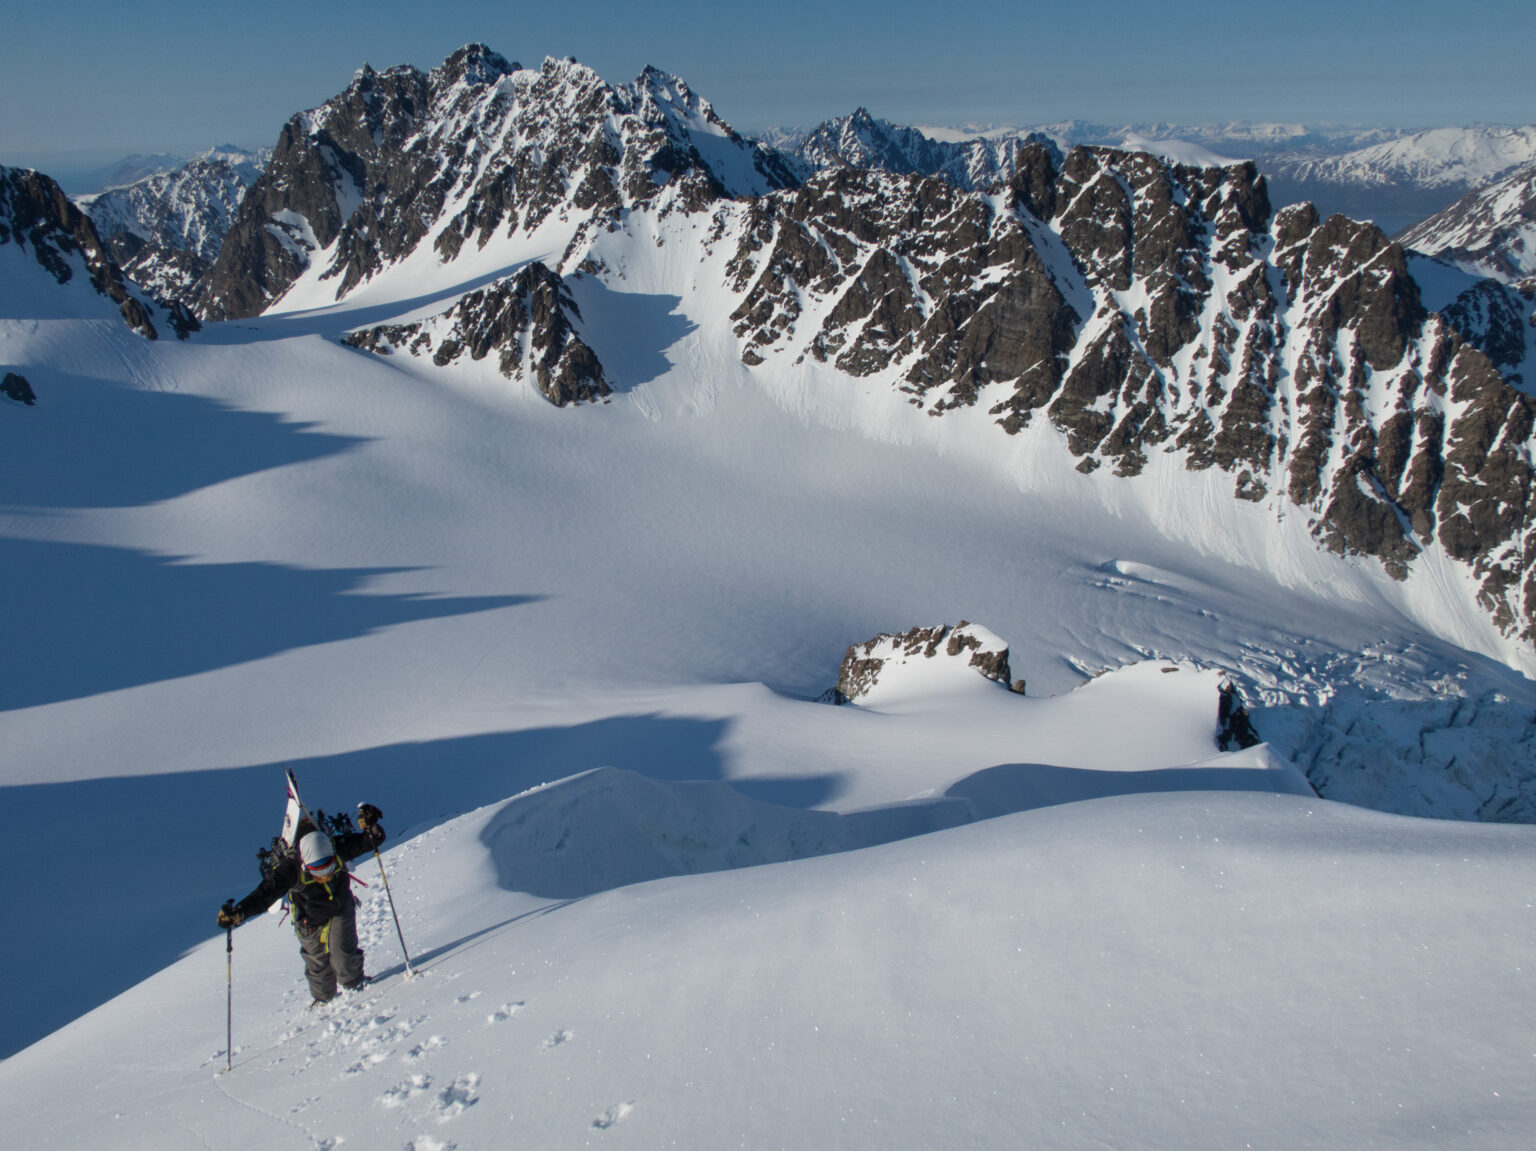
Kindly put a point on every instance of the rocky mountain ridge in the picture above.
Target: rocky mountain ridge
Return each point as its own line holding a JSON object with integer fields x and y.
{"x": 477, "y": 148}
{"x": 167, "y": 228}
{"x": 528, "y": 318}
{"x": 39, "y": 219}
{"x": 1391, "y": 176}
{"x": 860, "y": 140}
{"x": 1145, "y": 309}
{"x": 1489, "y": 232}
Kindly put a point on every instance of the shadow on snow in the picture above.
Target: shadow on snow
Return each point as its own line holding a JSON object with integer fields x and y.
{"x": 638, "y": 797}
{"x": 94, "y": 444}
{"x": 147, "y": 860}
{"x": 160, "y": 619}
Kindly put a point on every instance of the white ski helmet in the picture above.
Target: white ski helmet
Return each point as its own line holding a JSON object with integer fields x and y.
{"x": 318, "y": 854}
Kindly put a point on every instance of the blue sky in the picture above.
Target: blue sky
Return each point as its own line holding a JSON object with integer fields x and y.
{"x": 95, "y": 79}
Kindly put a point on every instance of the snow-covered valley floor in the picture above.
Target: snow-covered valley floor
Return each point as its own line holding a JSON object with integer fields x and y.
{"x": 659, "y": 895}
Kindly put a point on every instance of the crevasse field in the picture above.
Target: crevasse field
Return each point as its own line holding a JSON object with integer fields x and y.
{"x": 656, "y": 895}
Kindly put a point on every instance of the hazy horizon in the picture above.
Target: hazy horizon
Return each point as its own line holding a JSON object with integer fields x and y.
{"x": 148, "y": 81}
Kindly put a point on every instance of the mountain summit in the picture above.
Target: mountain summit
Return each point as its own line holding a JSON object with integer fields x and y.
{"x": 405, "y": 161}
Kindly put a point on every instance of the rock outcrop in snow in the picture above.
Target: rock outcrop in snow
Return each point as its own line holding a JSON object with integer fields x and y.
{"x": 529, "y": 318}
{"x": 890, "y": 657}
{"x": 862, "y": 141}
{"x": 1407, "y": 178}
{"x": 15, "y": 386}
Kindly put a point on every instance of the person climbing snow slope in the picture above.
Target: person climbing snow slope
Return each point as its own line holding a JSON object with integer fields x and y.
{"x": 314, "y": 879}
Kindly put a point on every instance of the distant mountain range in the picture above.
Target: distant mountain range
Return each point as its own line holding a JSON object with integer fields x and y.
{"x": 1488, "y": 232}
{"x": 1393, "y": 178}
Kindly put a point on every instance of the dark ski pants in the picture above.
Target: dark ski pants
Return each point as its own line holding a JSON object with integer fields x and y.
{"x": 331, "y": 956}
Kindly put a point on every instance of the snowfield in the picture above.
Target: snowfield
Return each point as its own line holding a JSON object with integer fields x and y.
{"x": 658, "y": 895}
{"x": 1190, "y": 969}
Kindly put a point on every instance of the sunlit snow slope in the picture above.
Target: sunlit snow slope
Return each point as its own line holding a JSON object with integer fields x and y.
{"x": 1193, "y": 969}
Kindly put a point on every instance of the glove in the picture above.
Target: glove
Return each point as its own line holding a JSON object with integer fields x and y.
{"x": 368, "y": 815}
{"x": 229, "y": 917}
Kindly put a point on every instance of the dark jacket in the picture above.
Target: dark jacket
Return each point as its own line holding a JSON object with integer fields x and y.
{"x": 313, "y": 902}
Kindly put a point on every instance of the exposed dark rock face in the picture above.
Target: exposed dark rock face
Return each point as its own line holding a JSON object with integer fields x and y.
{"x": 36, "y": 215}
{"x": 476, "y": 148}
{"x": 915, "y": 273}
{"x": 862, "y": 141}
{"x": 169, "y": 275}
{"x": 1493, "y": 318}
{"x": 527, "y": 318}
{"x": 1144, "y": 308}
{"x": 864, "y": 663}
{"x": 16, "y": 387}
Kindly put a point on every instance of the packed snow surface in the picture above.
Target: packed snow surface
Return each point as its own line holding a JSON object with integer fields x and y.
{"x": 1191, "y": 969}
{"x": 658, "y": 894}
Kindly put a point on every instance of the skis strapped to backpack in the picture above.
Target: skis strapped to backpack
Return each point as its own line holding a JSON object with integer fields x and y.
{"x": 286, "y": 840}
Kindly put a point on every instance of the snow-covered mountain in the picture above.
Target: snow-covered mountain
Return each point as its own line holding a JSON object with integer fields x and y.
{"x": 1389, "y": 176}
{"x": 1152, "y": 314}
{"x": 122, "y": 172}
{"x": 860, "y": 140}
{"x": 567, "y": 484}
{"x": 1259, "y": 142}
{"x": 166, "y": 229}
{"x": 441, "y": 162}
{"x": 1146, "y": 312}
{"x": 1453, "y": 158}
{"x": 1400, "y": 182}
{"x": 1490, "y": 232}
{"x": 46, "y": 240}
{"x": 187, "y": 208}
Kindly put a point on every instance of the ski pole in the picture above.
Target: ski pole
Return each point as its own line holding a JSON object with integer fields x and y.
{"x": 229, "y": 996}
{"x": 390, "y": 896}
